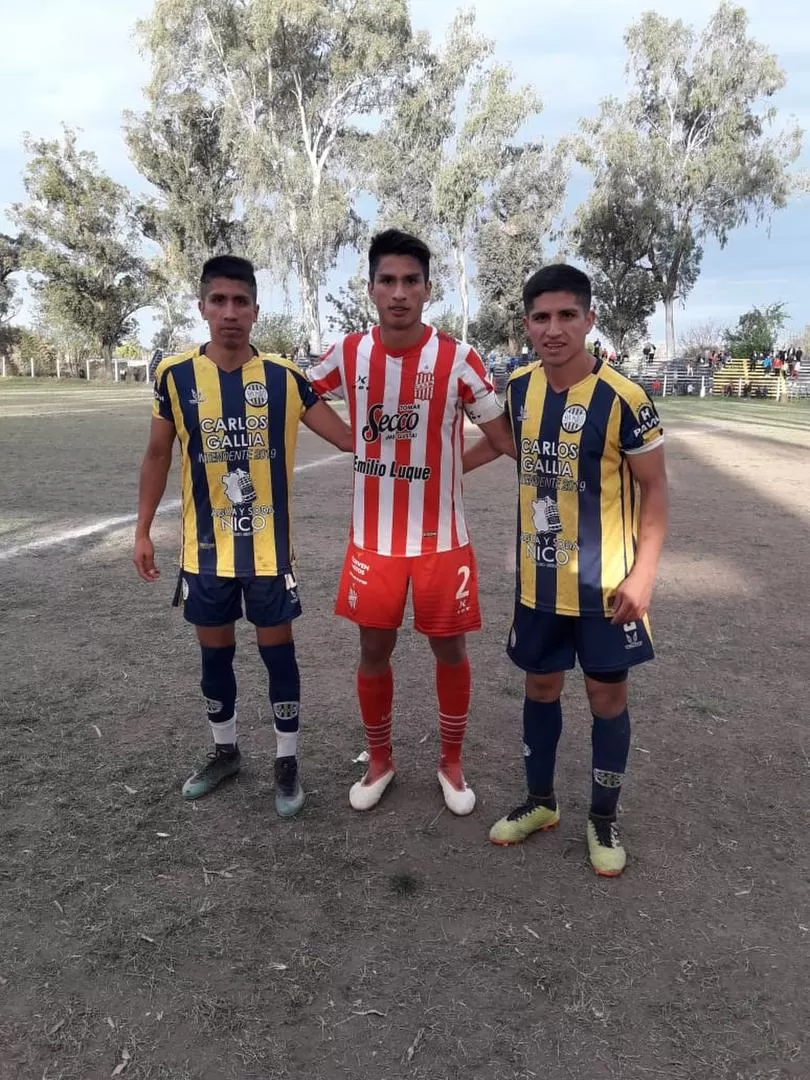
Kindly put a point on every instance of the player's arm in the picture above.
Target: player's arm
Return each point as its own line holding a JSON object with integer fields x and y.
{"x": 154, "y": 472}
{"x": 481, "y": 452}
{"x": 498, "y": 433}
{"x": 632, "y": 598}
{"x": 324, "y": 421}
{"x": 483, "y": 408}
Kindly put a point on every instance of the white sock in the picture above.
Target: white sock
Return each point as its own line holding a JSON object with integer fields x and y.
{"x": 286, "y": 743}
{"x": 224, "y": 733}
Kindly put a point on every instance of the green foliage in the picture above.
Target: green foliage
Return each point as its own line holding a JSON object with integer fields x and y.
{"x": 11, "y": 248}
{"x": 278, "y": 332}
{"x": 82, "y": 242}
{"x": 757, "y": 331}
{"x": 291, "y": 79}
{"x": 490, "y": 329}
{"x": 129, "y": 350}
{"x": 178, "y": 144}
{"x": 32, "y": 345}
{"x": 173, "y": 308}
{"x": 610, "y": 234}
{"x": 354, "y": 312}
{"x": 451, "y": 322}
{"x": 448, "y": 143}
{"x": 689, "y": 150}
{"x": 508, "y": 246}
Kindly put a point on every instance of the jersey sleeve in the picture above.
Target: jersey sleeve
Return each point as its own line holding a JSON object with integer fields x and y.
{"x": 326, "y": 376}
{"x": 477, "y": 394}
{"x": 162, "y": 403}
{"x": 640, "y": 428}
{"x": 306, "y": 390}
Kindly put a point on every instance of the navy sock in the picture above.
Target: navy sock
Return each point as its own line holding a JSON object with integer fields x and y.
{"x": 219, "y": 691}
{"x": 611, "y": 745}
{"x": 285, "y": 693}
{"x": 542, "y": 725}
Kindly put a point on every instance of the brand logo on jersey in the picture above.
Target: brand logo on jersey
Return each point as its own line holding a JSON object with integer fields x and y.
{"x": 352, "y": 598}
{"x": 573, "y": 419}
{"x": 256, "y": 394}
{"x": 398, "y": 425}
{"x": 239, "y": 487}
{"x": 197, "y": 398}
{"x": 522, "y": 415}
{"x": 424, "y": 386}
{"x": 546, "y": 516}
{"x": 631, "y": 634}
{"x": 647, "y": 420}
{"x": 361, "y": 383}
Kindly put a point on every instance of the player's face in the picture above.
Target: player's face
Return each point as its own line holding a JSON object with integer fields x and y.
{"x": 557, "y": 327}
{"x": 230, "y": 312}
{"x": 399, "y": 291}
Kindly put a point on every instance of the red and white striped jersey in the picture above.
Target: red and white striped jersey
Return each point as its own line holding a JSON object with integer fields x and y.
{"x": 407, "y": 414}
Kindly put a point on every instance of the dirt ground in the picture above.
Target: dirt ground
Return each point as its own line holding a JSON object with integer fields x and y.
{"x": 154, "y": 939}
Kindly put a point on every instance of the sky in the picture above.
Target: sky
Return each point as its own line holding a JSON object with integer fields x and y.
{"x": 76, "y": 61}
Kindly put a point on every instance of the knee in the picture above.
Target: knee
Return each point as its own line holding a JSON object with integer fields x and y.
{"x": 451, "y": 651}
{"x": 217, "y": 662}
{"x": 606, "y": 699}
{"x": 544, "y": 688}
{"x": 376, "y": 649}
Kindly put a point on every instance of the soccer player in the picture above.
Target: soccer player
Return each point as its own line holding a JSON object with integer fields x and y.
{"x": 235, "y": 413}
{"x": 409, "y": 388}
{"x": 592, "y": 520}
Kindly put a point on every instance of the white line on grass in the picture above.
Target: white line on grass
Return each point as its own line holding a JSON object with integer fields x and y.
{"x": 124, "y": 519}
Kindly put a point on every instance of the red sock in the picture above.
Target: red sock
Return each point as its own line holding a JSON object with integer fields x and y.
{"x": 376, "y": 694}
{"x": 453, "y": 690}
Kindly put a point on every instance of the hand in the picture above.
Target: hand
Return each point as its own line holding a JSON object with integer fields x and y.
{"x": 632, "y": 599}
{"x": 144, "y": 559}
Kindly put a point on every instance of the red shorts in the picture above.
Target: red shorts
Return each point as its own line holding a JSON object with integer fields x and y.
{"x": 373, "y": 590}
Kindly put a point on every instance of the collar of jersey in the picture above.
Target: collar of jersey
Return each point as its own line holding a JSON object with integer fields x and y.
{"x": 417, "y": 347}
{"x": 593, "y": 374}
{"x": 201, "y": 352}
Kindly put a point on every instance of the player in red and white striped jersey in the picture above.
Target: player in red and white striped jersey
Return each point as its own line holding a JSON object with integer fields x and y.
{"x": 408, "y": 388}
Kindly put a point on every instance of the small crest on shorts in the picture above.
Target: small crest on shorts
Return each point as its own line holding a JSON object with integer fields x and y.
{"x": 424, "y": 385}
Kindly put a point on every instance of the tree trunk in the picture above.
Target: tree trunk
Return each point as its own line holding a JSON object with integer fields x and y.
{"x": 463, "y": 291}
{"x": 309, "y": 302}
{"x": 107, "y": 355}
{"x": 669, "y": 314}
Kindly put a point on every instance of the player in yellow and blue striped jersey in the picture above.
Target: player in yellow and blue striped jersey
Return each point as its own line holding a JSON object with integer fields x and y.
{"x": 235, "y": 414}
{"x": 592, "y": 518}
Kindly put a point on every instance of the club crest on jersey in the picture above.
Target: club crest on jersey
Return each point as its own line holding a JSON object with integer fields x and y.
{"x": 399, "y": 425}
{"x": 256, "y": 394}
{"x": 573, "y": 419}
{"x": 424, "y": 385}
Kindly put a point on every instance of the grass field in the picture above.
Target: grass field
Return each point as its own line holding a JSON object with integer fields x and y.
{"x": 212, "y": 941}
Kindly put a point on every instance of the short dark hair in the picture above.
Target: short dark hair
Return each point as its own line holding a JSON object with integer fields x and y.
{"x": 559, "y": 277}
{"x": 396, "y": 242}
{"x": 228, "y": 266}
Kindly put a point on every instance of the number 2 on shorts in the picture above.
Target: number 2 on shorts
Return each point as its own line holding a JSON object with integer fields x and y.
{"x": 463, "y": 592}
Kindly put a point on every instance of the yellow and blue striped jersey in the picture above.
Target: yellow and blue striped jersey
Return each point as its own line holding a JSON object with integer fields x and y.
{"x": 237, "y": 432}
{"x": 578, "y": 503}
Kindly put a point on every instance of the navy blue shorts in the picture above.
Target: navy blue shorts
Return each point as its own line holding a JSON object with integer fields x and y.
{"x": 541, "y": 643}
{"x": 216, "y": 601}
